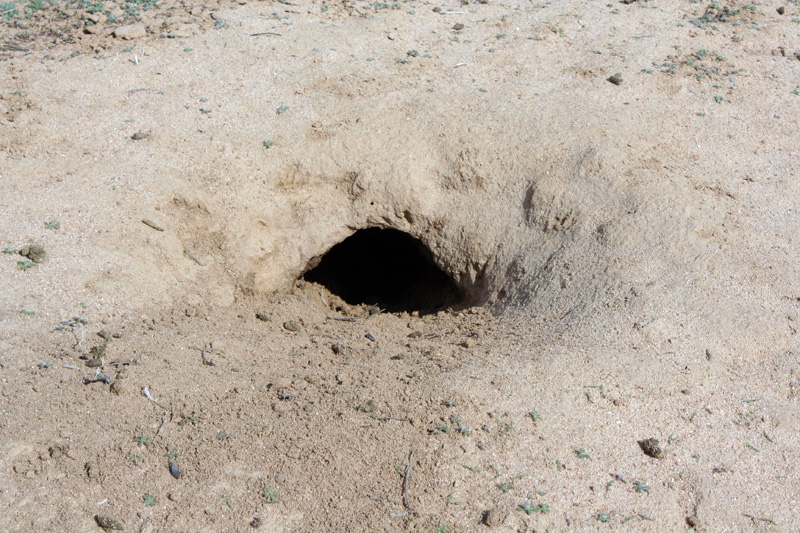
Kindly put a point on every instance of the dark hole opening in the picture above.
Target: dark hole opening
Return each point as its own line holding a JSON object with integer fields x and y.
{"x": 388, "y": 268}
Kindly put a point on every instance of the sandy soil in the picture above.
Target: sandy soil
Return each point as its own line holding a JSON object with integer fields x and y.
{"x": 627, "y": 249}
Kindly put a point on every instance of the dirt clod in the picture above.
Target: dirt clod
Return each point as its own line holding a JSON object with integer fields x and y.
{"x": 493, "y": 518}
{"x": 58, "y": 450}
{"x": 292, "y": 325}
{"x": 92, "y": 470}
{"x": 651, "y": 448}
{"x": 108, "y": 523}
{"x": 34, "y": 252}
{"x": 131, "y": 31}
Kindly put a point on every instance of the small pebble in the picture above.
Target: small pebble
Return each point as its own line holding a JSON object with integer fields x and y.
{"x": 458, "y": 27}
{"x": 174, "y": 470}
{"x": 616, "y": 79}
{"x": 139, "y": 135}
{"x": 262, "y": 317}
{"x": 338, "y": 348}
{"x": 147, "y": 527}
{"x": 255, "y": 523}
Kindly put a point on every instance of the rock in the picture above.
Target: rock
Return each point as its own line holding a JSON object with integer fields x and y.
{"x": 131, "y": 31}
{"x": 458, "y": 27}
{"x": 781, "y": 10}
{"x": 262, "y": 317}
{"x": 155, "y": 224}
{"x": 255, "y": 523}
{"x": 174, "y": 470}
{"x": 292, "y": 325}
{"x": 92, "y": 470}
{"x": 616, "y": 79}
{"x": 34, "y": 252}
{"x": 108, "y": 523}
{"x": 339, "y": 348}
{"x": 693, "y": 521}
{"x": 651, "y": 447}
{"x": 147, "y": 527}
{"x": 139, "y": 135}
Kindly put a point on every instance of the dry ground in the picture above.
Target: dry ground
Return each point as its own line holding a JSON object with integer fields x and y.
{"x": 629, "y": 250}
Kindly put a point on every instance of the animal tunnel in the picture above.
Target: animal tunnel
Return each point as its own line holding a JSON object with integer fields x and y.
{"x": 388, "y": 268}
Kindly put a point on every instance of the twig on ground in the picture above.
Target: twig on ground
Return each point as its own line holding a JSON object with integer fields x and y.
{"x": 193, "y": 258}
{"x": 207, "y": 362}
{"x": 163, "y": 421}
{"x": 405, "y": 482}
{"x": 147, "y": 395}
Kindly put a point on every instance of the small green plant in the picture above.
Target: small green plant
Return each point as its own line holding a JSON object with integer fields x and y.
{"x": 268, "y": 144}
{"x": 534, "y": 416}
{"x": 282, "y": 109}
{"x": 227, "y": 499}
{"x": 9, "y": 251}
{"x": 149, "y": 500}
{"x": 581, "y": 454}
{"x": 449, "y": 403}
{"x": 8, "y": 10}
{"x": 530, "y": 508}
{"x": 441, "y": 528}
{"x": 52, "y": 224}
{"x": 270, "y": 494}
{"x": 603, "y": 517}
{"x": 134, "y": 459}
{"x": 141, "y": 440}
{"x": 506, "y": 486}
{"x": 172, "y": 454}
{"x": 25, "y": 265}
{"x": 205, "y": 110}
{"x": 27, "y": 312}
{"x": 641, "y": 486}
{"x": 412, "y": 53}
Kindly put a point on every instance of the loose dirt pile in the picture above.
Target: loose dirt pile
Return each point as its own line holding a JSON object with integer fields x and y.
{"x": 605, "y": 196}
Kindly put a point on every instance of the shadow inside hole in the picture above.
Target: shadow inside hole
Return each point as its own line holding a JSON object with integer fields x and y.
{"x": 388, "y": 268}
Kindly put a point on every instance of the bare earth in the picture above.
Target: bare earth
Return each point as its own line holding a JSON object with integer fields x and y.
{"x": 628, "y": 251}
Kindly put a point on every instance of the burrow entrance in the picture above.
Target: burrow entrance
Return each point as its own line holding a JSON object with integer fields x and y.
{"x": 388, "y": 268}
